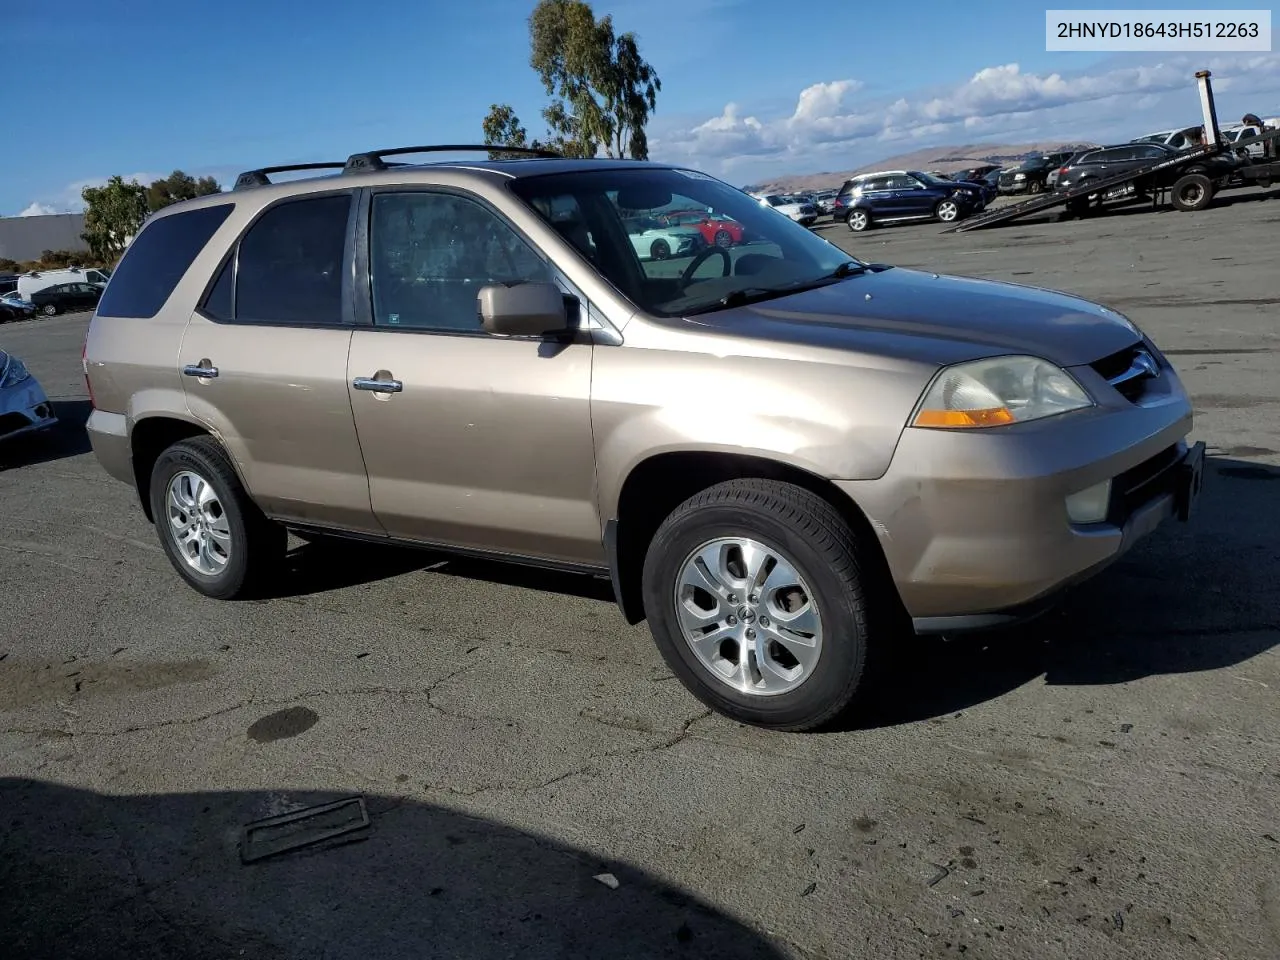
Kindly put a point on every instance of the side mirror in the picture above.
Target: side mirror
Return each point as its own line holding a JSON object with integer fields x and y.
{"x": 530, "y": 309}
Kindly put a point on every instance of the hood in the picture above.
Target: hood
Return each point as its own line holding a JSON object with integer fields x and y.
{"x": 934, "y": 319}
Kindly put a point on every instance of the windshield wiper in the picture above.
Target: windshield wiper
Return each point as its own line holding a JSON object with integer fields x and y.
{"x": 740, "y": 298}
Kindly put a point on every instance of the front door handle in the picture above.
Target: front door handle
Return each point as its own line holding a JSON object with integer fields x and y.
{"x": 204, "y": 370}
{"x": 377, "y": 384}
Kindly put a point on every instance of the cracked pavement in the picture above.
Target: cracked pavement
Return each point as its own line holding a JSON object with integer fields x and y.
{"x": 1105, "y": 783}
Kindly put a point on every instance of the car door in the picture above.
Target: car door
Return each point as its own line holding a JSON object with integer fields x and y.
{"x": 911, "y": 198}
{"x": 877, "y": 193}
{"x": 264, "y": 359}
{"x": 471, "y": 440}
{"x": 85, "y": 295}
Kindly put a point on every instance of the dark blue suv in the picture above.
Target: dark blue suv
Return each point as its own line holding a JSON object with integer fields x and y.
{"x": 900, "y": 196}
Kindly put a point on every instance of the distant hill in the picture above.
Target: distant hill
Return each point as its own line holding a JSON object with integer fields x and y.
{"x": 945, "y": 159}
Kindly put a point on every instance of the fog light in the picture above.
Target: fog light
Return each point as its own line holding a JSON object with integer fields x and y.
{"x": 1090, "y": 504}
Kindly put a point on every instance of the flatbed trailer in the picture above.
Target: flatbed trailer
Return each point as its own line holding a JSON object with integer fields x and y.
{"x": 1192, "y": 185}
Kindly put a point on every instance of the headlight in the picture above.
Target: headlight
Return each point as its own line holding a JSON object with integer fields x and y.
{"x": 1001, "y": 390}
{"x": 1019, "y": 176}
{"x": 13, "y": 373}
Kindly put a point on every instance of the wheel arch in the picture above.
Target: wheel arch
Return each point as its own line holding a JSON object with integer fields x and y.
{"x": 657, "y": 485}
{"x": 152, "y": 436}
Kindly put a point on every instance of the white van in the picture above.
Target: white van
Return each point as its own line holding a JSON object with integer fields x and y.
{"x": 29, "y": 283}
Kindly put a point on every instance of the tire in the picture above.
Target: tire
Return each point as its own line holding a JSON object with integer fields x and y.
{"x": 947, "y": 211}
{"x": 1035, "y": 186}
{"x": 660, "y": 250}
{"x": 254, "y": 545}
{"x": 49, "y": 310}
{"x": 858, "y": 220}
{"x": 723, "y": 239}
{"x": 804, "y": 532}
{"x": 1192, "y": 192}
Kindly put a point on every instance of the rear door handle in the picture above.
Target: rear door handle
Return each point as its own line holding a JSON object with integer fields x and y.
{"x": 375, "y": 385}
{"x": 204, "y": 370}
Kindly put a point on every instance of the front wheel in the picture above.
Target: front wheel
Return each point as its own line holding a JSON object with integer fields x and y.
{"x": 213, "y": 533}
{"x": 660, "y": 250}
{"x": 948, "y": 211}
{"x": 723, "y": 239}
{"x": 754, "y": 592}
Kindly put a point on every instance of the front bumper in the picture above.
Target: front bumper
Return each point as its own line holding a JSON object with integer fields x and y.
{"x": 974, "y": 526}
{"x": 24, "y": 409}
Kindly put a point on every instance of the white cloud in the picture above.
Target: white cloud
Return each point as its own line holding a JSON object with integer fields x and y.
{"x": 830, "y": 121}
{"x": 38, "y": 210}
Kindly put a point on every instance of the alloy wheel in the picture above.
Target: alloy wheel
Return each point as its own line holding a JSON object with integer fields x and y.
{"x": 749, "y": 616}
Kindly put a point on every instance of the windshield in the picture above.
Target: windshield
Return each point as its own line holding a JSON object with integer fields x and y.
{"x": 669, "y": 270}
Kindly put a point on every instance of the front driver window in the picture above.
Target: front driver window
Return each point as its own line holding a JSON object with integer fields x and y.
{"x": 429, "y": 255}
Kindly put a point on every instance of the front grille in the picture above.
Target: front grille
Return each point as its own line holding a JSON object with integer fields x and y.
{"x": 1141, "y": 484}
{"x": 12, "y": 422}
{"x": 1130, "y": 370}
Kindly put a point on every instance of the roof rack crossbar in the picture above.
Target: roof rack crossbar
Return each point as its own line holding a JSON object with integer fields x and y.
{"x": 373, "y": 159}
{"x": 258, "y": 177}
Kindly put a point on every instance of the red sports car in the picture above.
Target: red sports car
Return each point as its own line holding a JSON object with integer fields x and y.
{"x": 715, "y": 228}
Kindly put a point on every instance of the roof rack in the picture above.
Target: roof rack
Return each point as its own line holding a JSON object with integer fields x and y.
{"x": 258, "y": 178}
{"x": 372, "y": 159}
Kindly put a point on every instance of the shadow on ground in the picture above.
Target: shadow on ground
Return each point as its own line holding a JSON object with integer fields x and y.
{"x": 1157, "y": 610}
{"x": 84, "y": 875}
{"x": 65, "y": 439}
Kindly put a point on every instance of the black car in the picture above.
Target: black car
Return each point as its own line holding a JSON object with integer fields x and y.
{"x": 66, "y": 296}
{"x": 1211, "y": 173}
{"x": 1030, "y": 175}
{"x": 905, "y": 195}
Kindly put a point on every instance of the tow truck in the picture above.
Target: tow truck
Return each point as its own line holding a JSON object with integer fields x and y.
{"x": 1192, "y": 191}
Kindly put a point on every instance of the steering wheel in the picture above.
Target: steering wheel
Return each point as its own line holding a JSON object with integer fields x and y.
{"x": 686, "y": 278}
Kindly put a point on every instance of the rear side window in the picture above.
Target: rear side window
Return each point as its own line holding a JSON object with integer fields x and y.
{"x": 289, "y": 268}
{"x": 156, "y": 260}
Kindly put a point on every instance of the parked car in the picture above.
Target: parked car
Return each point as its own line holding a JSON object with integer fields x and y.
{"x": 1030, "y": 175}
{"x": 989, "y": 181}
{"x": 1213, "y": 172}
{"x": 14, "y": 307}
{"x": 903, "y": 448}
{"x": 822, "y": 200}
{"x": 1254, "y": 151}
{"x": 650, "y": 237}
{"x": 716, "y": 229}
{"x": 30, "y": 283}
{"x": 1182, "y": 138}
{"x": 903, "y": 195}
{"x": 62, "y": 297}
{"x": 802, "y": 213}
{"x": 24, "y": 408}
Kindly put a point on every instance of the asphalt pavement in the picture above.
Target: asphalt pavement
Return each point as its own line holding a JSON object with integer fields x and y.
{"x": 1104, "y": 783}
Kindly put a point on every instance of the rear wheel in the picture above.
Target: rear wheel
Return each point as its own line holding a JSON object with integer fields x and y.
{"x": 1193, "y": 192}
{"x": 858, "y": 220}
{"x": 213, "y": 533}
{"x": 49, "y": 310}
{"x": 723, "y": 239}
{"x": 755, "y": 594}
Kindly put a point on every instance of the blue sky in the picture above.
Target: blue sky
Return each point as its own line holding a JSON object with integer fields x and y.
{"x": 750, "y": 88}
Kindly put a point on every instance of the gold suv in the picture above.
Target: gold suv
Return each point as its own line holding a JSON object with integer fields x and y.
{"x": 776, "y": 452}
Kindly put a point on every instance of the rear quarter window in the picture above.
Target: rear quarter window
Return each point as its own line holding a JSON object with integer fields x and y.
{"x": 156, "y": 260}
